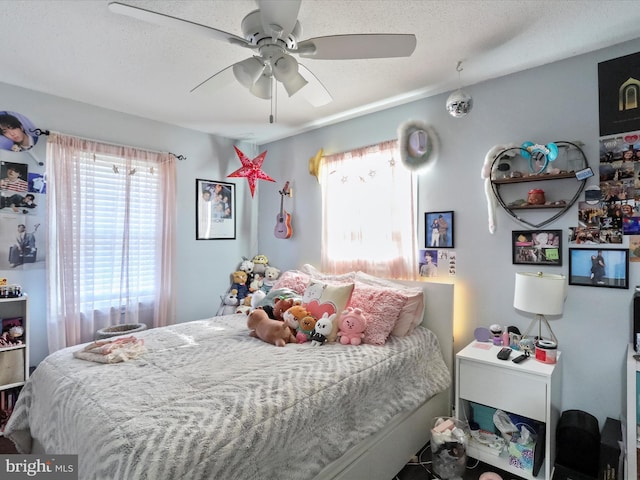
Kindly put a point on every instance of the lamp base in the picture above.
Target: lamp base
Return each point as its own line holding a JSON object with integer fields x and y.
{"x": 540, "y": 319}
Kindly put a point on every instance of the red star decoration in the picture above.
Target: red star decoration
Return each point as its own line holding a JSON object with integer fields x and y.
{"x": 251, "y": 169}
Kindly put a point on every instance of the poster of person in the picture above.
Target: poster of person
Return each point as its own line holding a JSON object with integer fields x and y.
{"x": 619, "y": 94}
{"x": 37, "y": 183}
{"x": 438, "y": 229}
{"x": 18, "y": 132}
{"x": 15, "y": 196}
{"x": 215, "y": 210}
{"x": 20, "y": 242}
{"x": 428, "y": 263}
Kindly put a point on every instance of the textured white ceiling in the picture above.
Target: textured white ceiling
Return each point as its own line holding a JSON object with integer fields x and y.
{"x": 82, "y": 51}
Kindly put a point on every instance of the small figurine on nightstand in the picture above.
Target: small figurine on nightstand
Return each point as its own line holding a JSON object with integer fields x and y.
{"x": 496, "y": 334}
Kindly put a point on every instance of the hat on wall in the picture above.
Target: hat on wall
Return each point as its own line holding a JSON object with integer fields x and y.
{"x": 314, "y": 163}
{"x": 418, "y": 145}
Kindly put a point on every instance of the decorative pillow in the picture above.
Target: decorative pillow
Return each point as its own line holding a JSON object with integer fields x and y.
{"x": 293, "y": 279}
{"x": 313, "y": 272}
{"x": 413, "y": 310}
{"x": 381, "y": 306}
{"x": 321, "y": 297}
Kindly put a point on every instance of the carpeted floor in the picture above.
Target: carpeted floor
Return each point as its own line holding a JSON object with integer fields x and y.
{"x": 422, "y": 470}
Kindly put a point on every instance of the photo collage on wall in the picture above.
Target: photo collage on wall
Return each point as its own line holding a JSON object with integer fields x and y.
{"x": 436, "y": 259}
{"x": 610, "y": 212}
{"x": 22, "y": 195}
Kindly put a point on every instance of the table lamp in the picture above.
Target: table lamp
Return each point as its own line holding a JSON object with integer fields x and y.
{"x": 540, "y": 294}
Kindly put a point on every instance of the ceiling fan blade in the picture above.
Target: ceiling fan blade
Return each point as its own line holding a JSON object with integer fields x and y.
{"x": 174, "y": 22}
{"x": 279, "y": 17}
{"x": 367, "y": 45}
{"x": 217, "y": 80}
{"x": 314, "y": 91}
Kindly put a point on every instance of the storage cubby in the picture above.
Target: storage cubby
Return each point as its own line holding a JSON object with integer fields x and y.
{"x": 14, "y": 352}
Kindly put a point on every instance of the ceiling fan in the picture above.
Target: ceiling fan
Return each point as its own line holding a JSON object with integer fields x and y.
{"x": 273, "y": 31}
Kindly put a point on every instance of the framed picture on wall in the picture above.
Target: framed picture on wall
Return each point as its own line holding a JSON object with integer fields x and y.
{"x": 541, "y": 247}
{"x": 438, "y": 229}
{"x": 599, "y": 267}
{"x": 215, "y": 210}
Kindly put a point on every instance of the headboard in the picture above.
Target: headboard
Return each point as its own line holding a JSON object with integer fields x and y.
{"x": 438, "y": 314}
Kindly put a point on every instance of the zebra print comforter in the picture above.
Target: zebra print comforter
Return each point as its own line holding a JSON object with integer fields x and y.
{"x": 206, "y": 401}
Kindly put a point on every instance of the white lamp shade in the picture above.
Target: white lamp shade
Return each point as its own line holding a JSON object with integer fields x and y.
{"x": 248, "y": 71}
{"x": 285, "y": 69}
{"x": 262, "y": 87}
{"x": 539, "y": 293}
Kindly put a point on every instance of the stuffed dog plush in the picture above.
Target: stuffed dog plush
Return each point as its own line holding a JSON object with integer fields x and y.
{"x": 269, "y": 330}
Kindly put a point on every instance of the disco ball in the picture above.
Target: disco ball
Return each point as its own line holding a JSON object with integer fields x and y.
{"x": 459, "y": 103}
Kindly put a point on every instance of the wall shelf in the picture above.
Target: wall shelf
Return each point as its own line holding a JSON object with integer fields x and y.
{"x": 566, "y": 179}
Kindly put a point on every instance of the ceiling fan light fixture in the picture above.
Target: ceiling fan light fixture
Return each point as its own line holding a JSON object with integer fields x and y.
{"x": 294, "y": 84}
{"x": 285, "y": 69}
{"x": 262, "y": 87}
{"x": 248, "y": 71}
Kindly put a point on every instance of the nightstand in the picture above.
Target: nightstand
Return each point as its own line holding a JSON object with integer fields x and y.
{"x": 530, "y": 389}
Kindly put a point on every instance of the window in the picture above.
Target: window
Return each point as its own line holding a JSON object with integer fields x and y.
{"x": 368, "y": 213}
{"x": 111, "y": 237}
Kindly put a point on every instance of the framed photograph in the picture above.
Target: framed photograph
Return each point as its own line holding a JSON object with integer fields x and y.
{"x": 438, "y": 229}
{"x": 215, "y": 210}
{"x": 541, "y": 247}
{"x": 599, "y": 267}
{"x": 617, "y": 89}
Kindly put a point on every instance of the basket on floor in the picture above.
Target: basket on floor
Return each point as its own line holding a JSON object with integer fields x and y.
{"x": 124, "y": 329}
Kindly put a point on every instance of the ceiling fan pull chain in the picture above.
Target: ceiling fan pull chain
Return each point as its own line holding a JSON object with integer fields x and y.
{"x": 273, "y": 99}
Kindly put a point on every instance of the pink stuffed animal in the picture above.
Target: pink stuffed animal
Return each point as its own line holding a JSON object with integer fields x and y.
{"x": 352, "y": 326}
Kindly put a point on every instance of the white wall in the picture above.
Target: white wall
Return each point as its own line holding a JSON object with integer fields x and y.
{"x": 551, "y": 103}
{"x": 203, "y": 266}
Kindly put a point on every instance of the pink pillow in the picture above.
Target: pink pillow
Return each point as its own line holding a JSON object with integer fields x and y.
{"x": 293, "y": 279}
{"x": 381, "y": 307}
{"x": 413, "y": 309}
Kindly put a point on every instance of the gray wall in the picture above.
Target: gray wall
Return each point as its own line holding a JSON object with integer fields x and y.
{"x": 554, "y": 102}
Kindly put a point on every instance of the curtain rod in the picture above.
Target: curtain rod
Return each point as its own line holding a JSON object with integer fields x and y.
{"x": 360, "y": 148}
{"x": 40, "y": 132}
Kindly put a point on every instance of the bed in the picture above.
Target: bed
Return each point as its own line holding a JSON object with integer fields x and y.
{"x": 206, "y": 401}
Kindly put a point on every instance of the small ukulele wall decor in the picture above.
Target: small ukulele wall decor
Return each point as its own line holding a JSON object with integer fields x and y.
{"x": 283, "y": 219}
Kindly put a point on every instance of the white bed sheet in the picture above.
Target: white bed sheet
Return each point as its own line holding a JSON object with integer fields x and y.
{"x": 208, "y": 401}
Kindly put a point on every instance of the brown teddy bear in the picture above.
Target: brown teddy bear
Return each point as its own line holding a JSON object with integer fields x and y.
{"x": 282, "y": 304}
{"x": 269, "y": 330}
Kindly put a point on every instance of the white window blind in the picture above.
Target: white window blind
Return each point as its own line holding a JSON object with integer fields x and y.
{"x": 119, "y": 200}
{"x": 111, "y": 238}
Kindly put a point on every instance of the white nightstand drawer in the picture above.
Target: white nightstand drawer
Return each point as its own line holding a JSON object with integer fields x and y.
{"x": 501, "y": 388}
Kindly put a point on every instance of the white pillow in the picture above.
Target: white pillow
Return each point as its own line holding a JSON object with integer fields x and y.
{"x": 323, "y": 297}
{"x": 411, "y": 314}
{"x": 316, "y": 274}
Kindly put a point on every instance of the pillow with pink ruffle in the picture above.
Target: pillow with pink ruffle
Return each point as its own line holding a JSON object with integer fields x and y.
{"x": 413, "y": 309}
{"x": 294, "y": 280}
{"x": 382, "y": 308}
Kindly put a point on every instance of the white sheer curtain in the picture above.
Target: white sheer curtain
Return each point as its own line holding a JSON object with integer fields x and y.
{"x": 368, "y": 213}
{"x": 111, "y": 238}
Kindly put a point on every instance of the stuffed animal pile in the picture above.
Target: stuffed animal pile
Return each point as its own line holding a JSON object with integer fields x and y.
{"x": 251, "y": 276}
{"x": 281, "y": 316}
